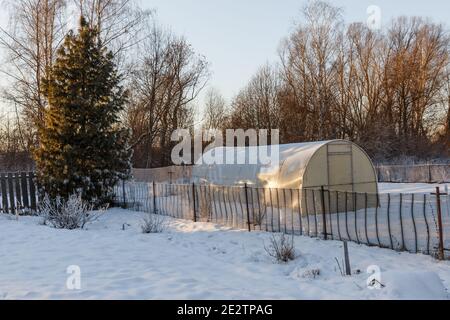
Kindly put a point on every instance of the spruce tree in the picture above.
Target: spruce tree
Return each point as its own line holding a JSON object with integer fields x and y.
{"x": 82, "y": 146}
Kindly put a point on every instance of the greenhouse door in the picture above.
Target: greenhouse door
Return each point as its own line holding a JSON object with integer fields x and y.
{"x": 340, "y": 166}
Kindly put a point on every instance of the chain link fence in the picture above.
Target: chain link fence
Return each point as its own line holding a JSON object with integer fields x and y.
{"x": 425, "y": 173}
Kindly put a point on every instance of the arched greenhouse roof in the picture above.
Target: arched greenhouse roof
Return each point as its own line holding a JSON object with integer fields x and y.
{"x": 336, "y": 164}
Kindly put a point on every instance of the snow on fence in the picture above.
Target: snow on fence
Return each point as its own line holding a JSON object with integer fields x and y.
{"x": 403, "y": 222}
{"x": 426, "y": 173}
{"x": 172, "y": 174}
{"x": 18, "y": 192}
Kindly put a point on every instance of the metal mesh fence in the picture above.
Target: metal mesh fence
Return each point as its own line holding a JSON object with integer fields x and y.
{"x": 426, "y": 173}
{"x": 403, "y": 222}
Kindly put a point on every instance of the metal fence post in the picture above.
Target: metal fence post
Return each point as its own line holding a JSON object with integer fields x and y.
{"x": 324, "y": 220}
{"x": 193, "y": 199}
{"x": 247, "y": 207}
{"x": 440, "y": 231}
{"x": 429, "y": 173}
{"x": 348, "y": 269}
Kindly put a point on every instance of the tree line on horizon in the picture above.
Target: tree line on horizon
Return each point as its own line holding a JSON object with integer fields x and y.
{"x": 387, "y": 90}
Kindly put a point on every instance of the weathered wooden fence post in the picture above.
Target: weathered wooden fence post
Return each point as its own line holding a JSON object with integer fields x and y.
{"x": 19, "y": 203}
{"x": 248, "y": 208}
{"x": 124, "y": 195}
{"x": 155, "y": 211}
{"x": 18, "y": 191}
{"x": 438, "y": 194}
{"x": 12, "y": 198}
{"x": 23, "y": 182}
{"x": 193, "y": 202}
{"x": 4, "y": 194}
{"x": 31, "y": 180}
{"x": 324, "y": 218}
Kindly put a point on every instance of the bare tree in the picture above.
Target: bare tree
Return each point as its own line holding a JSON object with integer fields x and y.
{"x": 257, "y": 105}
{"x": 13, "y": 157}
{"x": 446, "y": 134}
{"x": 121, "y": 23}
{"x": 167, "y": 78}
{"x": 386, "y": 90}
{"x": 359, "y": 79}
{"x": 308, "y": 58}
{"x": 415, "y": 73}
{"x": 216, "y": 110}
{"x": 36, "y": 29}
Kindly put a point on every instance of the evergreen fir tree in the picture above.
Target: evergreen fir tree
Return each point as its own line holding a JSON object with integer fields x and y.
{"x": 82, "y": 145}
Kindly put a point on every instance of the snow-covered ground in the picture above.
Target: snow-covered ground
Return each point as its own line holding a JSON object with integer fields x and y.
{"x": 411, "y": 187}
{"x": 197, "y": 261}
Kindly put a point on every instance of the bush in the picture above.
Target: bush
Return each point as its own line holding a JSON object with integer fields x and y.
{"x": 154, "y": 223}
{"x": 281, "y": 248}
{"x": 72, "y": 213}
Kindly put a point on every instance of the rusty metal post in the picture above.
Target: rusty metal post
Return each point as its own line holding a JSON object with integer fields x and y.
{"x": 430, "y": 178}
{"x": 324, "y": 219}
{"x": 440, "y": 231}
{"x": 193, "y": 199}
{"x": 348, "y": 269}
{"x": 248, "y": 209}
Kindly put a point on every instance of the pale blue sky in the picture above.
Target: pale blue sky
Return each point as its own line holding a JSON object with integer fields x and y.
{"x": 239, "y": 36}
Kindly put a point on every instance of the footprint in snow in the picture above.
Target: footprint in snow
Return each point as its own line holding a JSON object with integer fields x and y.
{"x": 219, "y": 250}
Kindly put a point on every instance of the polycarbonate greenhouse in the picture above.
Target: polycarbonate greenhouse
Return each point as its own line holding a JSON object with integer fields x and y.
{"x": 336, "y": 165}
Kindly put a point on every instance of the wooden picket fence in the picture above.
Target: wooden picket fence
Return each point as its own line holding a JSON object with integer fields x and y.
{"x": 18, "y": 192}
